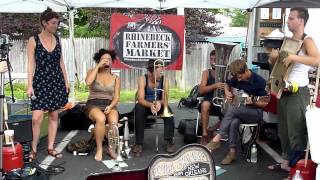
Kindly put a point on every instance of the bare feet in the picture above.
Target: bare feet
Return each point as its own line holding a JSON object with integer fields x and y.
{"x": 98, "y": 156}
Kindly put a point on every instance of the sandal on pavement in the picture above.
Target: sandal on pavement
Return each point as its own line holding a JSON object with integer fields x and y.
{"x": 54, "y": 153}
{"x": 32, "y": 156}
{"x": 277, "y": 167}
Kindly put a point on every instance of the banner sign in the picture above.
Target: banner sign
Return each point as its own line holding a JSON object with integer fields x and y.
{"x": 138, "y": 38}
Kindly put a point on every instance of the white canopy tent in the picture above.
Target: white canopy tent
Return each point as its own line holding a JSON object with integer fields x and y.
{"x": 34, "y": 6}
{"x": 25, "y": 6}
{"x": 37, "y": 6}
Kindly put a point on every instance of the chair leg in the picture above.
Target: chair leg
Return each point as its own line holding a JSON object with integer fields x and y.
{"x": 197, "y": 124}
{"x": 241, "y": 134}
{"x": 157, "y": 143}
{"x": 257, "y": 132}
{"x": 253, "y": 140}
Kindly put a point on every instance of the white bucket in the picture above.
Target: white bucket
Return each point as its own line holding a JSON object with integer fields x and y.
{"x": 8, "y": 136}
{"x": 313, "y": 124}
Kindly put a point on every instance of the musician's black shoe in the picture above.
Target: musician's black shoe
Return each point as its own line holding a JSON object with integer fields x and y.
{"x": 137, "y": 150}
{"x": 170, "y": 147}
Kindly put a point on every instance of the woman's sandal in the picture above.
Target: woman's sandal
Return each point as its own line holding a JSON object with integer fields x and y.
{"x": 54, "y": 153}
{"x": 32, "y": 156}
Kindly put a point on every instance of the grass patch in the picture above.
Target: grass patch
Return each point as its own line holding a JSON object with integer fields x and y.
{"x": 82, "y": 92}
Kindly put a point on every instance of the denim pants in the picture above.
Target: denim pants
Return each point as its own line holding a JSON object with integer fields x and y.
{"x": 141, "y": 114}
{"x": 236, "y": 116}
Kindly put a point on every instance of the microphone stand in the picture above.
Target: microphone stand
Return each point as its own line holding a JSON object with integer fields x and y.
{"x": 4, "y": 56}
{"x": 2, "y": 96}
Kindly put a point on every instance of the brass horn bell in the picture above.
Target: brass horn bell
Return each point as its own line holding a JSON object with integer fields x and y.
{"x": 166, "y": 112}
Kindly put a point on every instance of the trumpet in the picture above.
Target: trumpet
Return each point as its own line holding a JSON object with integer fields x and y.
{"x": 166, "y": 113}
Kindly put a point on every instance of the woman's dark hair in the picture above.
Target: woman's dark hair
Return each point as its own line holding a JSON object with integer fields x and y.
{"x": 102, "y": 52}
{"x": 47, "y": 15}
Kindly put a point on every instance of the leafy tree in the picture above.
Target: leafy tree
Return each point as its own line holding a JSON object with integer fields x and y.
{"x": 198, "y": 21}
{"x": 21, "y": 25}
{"x": 201, "y": 22}
{"x": 239, "y": 18}
{"x": 93, "y": 22}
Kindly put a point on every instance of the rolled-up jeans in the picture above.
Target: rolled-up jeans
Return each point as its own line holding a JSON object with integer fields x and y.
{"x": 236, "y": 116}
{"x": 141, "y": 114}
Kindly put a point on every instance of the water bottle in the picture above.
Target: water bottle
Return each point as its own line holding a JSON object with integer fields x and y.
{"x": 254, "y": 154}
{"x": 126, "y": 130}
{"x": 297, "y": 175}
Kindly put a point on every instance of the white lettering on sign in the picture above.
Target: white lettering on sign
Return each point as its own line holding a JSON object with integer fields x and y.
{"x": 187, "y": 164}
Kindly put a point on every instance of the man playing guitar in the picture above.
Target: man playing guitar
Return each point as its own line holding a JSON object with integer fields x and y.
{"x": 251, "y": 113}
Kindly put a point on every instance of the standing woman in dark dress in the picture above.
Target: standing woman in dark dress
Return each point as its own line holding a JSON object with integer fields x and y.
{"x": 47, "y": 80}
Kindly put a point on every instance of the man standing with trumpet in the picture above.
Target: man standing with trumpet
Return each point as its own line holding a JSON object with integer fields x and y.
{"x": 152, "y": 99}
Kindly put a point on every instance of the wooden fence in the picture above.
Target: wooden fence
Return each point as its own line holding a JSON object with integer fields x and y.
{"x": 194, "y": 62}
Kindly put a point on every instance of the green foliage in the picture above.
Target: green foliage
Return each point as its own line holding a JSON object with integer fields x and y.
{"x": 95, "y": 22}
{"x": 127, "y": 96}
{"x": 239, "y": 18}
{"x": 91, "y": 22}
{"x": 197, "y": 21}
{"x": 82, "y": 92}
{"x": 176, "y": 94}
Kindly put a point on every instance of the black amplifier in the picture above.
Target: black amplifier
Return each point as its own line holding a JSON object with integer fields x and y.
{"x": 22, "y": 126}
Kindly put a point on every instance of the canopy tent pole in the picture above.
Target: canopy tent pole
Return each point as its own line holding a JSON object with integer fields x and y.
{"x": 72, "y": 55}
{"x": 180, "y": 11}
{"x": 251, "y": 37}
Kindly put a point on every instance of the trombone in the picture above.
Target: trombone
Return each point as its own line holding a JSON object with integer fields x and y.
{"x": 156, "y": 64}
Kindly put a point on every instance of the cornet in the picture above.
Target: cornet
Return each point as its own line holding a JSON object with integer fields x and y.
{"x": 166, "y": 112}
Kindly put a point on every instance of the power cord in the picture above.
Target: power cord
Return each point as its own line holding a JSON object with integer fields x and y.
{"x": 51, "y": 169}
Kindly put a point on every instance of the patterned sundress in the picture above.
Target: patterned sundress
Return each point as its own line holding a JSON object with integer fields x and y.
{"x": 48, "y": 82}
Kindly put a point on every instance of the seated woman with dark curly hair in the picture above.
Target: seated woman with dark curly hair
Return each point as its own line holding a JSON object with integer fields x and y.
{"x": 104, "y": 92}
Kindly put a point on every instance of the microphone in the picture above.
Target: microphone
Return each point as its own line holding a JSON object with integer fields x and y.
{"x": 33, "y": 97}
